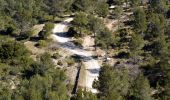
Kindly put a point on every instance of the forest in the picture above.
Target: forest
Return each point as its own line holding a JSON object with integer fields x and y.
{"x": 133, "y": 34}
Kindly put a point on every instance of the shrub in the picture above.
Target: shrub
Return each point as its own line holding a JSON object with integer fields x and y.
{"x": 41, "y": 43}
{"x": 47, "y": 30}
{"x": 123, "y": 54}
{"x": 56, "y": 55}
{"x": 48, "y": 18}
{"x": 48, "y": 26}
{"x": 60, "y": 63}
{"x": 78, "y": 42}
{"x": 12, "y": 50}
{"x": 70, "y": 61}
{"x": 102, "y": 9}
{"x": 27, "y": 35}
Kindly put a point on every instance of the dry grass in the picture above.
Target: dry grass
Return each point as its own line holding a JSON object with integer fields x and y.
{"x": 34, "y": 50}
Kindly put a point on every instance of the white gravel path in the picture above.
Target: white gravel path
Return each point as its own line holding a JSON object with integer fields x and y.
{"x": 92, "y": 65}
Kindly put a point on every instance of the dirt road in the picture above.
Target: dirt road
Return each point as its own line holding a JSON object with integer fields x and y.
{"x": 91, "y": 65}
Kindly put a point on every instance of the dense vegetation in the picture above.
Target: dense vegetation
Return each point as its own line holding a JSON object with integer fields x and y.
{"x": 36, "y": 79}
{"x": 142, "y": 70}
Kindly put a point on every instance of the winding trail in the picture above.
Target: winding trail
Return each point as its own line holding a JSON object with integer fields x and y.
{"x": 91, "y": 65}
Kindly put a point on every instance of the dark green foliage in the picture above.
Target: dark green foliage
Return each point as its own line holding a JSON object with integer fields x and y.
{"x": 80, "y": 22}
{"x": 84, "y": 5}
{"x": 5, "y": 93}
{"x": 58, "y": 6}
{"x": 19, "y": 16}
{"x": 118, "y": 13}
{"x": 136, "y": 45}
{"x": 95, "y": 24}
{"x": 40, "y": 88}
{"x": 41, "y": 43}
{"x": 141, "y": 89}
{"x": 157, "y": 24}
{"x": 140, "y": 20}
{"x": 113, "y": 83}
{"x": 41, "y": 67}
{"x": 37, "y": 80}
{"x": 158, "y": 6}
{"x": 104, "y": 38}
{"x": 47, "y": 30}
{"x": 81, "y": 95}
{"x": 12, "y": 50}
{"x": 102, "y": 9}
{"x": 134, "y": 3}
{"x": 147, "y": 44}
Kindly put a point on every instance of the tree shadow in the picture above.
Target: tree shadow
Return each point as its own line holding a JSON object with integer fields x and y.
{"x": 94, "y": 71}
{"x": 35, "y": 39}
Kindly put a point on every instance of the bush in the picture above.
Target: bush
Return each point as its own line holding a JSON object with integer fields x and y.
{"x": 48, "y": 26}
{"x": 12, "y": 50}
{"x": 60, "y": 63}
{"x": 47, "y": 30}
{"x": 56, "y": 55}
{"x": 123, "y": 54}
{"x": 70, "y": 61}
{"x": 41, "y": 43}
{"x": 78, "y": 42}
{"x": 11, "y": 30}
{"x": 102, "y": 9}
{"x": 48, "y": 18}
{"x": 27, "y": 35}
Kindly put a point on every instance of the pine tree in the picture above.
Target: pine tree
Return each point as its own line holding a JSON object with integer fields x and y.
{"x": 113, "y": 83}
{"x": 140, "y": 20}
{"x": 135, "y": 46}
{"x": 141, "y": 89}
{"x": 80, "y": 21}
{"x": 118, "y": 13}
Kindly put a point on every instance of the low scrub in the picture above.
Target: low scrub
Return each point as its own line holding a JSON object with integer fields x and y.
{"x": 56, "y": 55}
{"x": 70, "y": 61}
{"x": 78, "y": 42}
{"x": 41, "y": 43}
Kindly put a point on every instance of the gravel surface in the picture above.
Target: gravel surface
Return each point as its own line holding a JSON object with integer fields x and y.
{"x": 91, "y": 65}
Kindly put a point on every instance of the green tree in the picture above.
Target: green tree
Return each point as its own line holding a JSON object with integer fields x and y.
{"x": 157, "y": 25}
{"x": 158, "y": 6}
{"x": 80, "y": 22}
{"x": 95, "y": 25}
{"x": 59, "y": 7}
{"x": 136, "y": 44}
{"x": 5, "y": 93}
{"x": 118, "y": 13}
{"x": 102, "y": 9}
{"x": 134, "y": 3}
{"x": 113, "y": 83}
{"x": 11, "y": 50}
{"x": 87, "y": 6}
{"x": 81, "y": 95}
{"x": 140, "y": 20}
{"x": 104, "y": 39}
{"x": 141, "y": 89}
